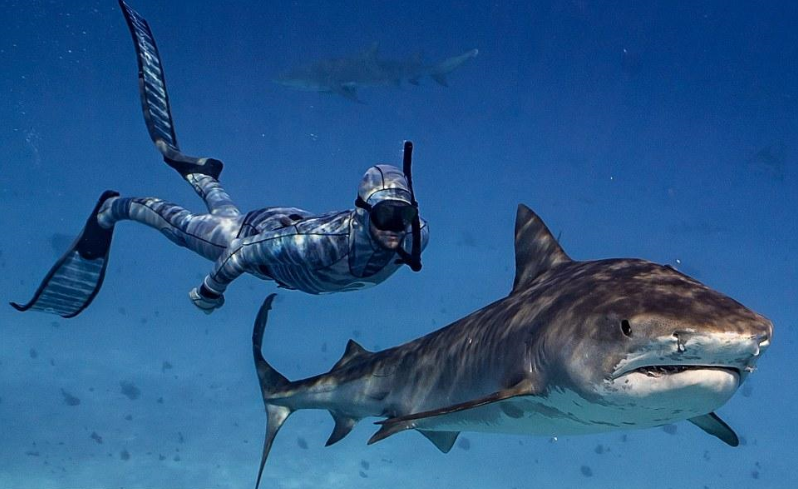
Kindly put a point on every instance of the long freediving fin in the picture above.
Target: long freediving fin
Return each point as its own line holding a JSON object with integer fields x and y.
{"x": 76, "y": 278}
{"x": 155, "y": 101}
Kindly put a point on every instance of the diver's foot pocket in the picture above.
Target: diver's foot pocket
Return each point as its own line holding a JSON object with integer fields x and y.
{"x": 76, "y": 278}
{"x": 186, "y": 165}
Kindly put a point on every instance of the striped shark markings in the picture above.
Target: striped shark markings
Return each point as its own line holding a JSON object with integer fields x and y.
{"x": 577, "y": 347}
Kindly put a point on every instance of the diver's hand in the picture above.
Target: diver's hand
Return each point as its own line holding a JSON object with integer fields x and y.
{"x": 205, "y": 299}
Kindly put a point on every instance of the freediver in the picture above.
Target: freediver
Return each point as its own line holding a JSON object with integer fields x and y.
{"x": 331, "y": 252}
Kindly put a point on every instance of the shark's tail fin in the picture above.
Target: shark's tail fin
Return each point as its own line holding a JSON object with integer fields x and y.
{"x": 277, "y": 390}
{"x": 270, "y": 381}
{"x": 439, "y": 71}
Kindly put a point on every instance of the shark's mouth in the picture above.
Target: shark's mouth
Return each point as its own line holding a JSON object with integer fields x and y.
{"x": 663, "y": 370}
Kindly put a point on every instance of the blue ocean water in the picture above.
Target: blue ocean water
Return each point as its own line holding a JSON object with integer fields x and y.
{"x": 660, "y": 130}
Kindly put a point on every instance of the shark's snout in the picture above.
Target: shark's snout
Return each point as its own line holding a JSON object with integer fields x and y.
{"x": 689, "y": 348}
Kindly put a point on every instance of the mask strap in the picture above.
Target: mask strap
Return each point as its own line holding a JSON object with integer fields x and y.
{"x": 363, "y": 204}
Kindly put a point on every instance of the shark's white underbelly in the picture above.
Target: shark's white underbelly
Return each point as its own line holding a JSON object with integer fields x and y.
{"x": 563, "y": 412}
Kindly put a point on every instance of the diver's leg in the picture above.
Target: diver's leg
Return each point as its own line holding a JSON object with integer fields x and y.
{"x": 216, "y": 198}
{"x": 205, "y": 234}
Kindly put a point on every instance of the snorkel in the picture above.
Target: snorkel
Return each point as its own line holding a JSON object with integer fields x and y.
{"x": 396, "y": 204}
{"x": 412, "y": 259}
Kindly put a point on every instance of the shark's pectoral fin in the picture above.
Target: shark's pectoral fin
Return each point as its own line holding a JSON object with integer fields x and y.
{"x": 346, "y": 91}
{"x": 440, "y": 79}
{"x": 343, "y": 425}
{"x": 712, "y": 424}
{"x": 484, "y": 408}
{"x": 443, "y": 440}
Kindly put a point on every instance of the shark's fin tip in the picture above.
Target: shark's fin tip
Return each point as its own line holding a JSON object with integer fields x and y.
{"x": 536, "y": 249}
{"x": 343, "y": 426}
{"x": 443, "y": 440}
{"x": 386, "y": 429}
{"x": 354, "y": 352}
{"x": 713, "y": 425}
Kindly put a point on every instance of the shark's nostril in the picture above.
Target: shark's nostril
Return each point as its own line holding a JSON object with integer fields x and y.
{"x": 681, "y": 339}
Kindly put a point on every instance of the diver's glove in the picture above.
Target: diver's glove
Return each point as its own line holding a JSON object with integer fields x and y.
{"x": 206, "y": 299}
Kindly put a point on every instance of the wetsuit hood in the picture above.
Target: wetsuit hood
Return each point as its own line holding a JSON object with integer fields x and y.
{"x": 387, "y": 183}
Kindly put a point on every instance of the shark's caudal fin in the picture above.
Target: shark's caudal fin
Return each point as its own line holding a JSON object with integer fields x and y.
{"x": 272, "y": 384}
{"x": 536, "y": 249}
{"x": 270, "y": 381}
{"x": 440, "y": 70}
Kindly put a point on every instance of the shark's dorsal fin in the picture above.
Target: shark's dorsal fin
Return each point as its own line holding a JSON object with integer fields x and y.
{"x": 536, "y": 249}
{"x": 712, "y": 424}
{"x": 353, "y": 352}
{"x": 443, "y": 440}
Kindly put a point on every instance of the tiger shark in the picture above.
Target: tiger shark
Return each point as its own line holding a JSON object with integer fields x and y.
{"x": 343, "y": 76}
{"x": 577, "y": 347}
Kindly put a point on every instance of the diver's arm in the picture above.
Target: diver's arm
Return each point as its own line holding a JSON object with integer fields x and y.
{"x": 210, "y": 294}
{"x": 313, "y": 249}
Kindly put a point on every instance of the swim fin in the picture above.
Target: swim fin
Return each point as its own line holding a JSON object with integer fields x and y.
{"x": 155, "y": 101}
{"x": 76, "y": 277}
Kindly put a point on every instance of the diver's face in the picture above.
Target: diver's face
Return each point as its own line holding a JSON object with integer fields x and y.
{"x": 389, "y": 221}
{"x": 390, "y": 240}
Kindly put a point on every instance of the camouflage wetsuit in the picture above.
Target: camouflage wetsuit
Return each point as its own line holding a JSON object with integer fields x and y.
{"x": 317, "y": 254}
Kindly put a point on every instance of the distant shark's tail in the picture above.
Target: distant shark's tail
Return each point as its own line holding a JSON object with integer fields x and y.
{"x": 439, "y": 71}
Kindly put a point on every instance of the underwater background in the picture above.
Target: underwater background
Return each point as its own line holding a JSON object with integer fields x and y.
{"x": 661, "y": 130}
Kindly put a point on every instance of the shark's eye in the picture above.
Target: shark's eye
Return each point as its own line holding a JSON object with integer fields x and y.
{"x": 626, "y": 328}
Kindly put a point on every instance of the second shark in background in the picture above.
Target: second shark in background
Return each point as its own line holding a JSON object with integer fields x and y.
{"x": 343, "y": 76}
